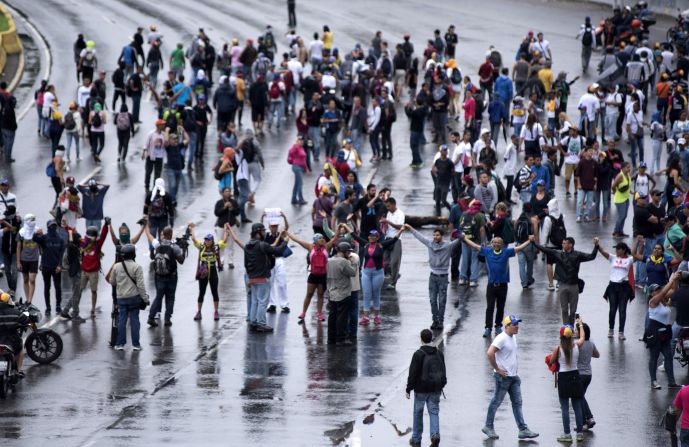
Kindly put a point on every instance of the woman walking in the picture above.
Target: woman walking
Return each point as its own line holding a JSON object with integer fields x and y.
{"x": 97, "y": 120}
{"x": 297, "y": 158}
{"x": 587, "y": 351}
{"x": 373, "y": 274}
{"x": 72, "y": 124}
{"x": 125, "y": 130}
{"x": 658, "y": 335}
{"x": 621, "y": 187}
{"x": 28, "y": 254}
{"x": 569, "y": 387}
{"x": 619, "y": 291}
{"x": 207, "y": 268}
{"x": 224, "y": 170}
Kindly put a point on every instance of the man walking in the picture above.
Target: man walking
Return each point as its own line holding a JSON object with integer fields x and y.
{"x": 502, "y": 355}
{"x": 340, "y": 270}
{"x": 439, "y": 254}
{"x": 427, "y": 377}
{"x": 391, "y": 223}
{"x": 166, "y": 256}
{"x": 567, "y": 262}
{"x": 497, "y": 263}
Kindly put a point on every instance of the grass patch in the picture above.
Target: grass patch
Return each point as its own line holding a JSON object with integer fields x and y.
{"x": 4, "y": 23}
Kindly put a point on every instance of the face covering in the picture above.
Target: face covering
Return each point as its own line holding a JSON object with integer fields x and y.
{"x": 125, "y": 237}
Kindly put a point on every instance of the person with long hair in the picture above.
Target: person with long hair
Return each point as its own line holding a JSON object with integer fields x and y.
{"x": 569, "y": 386}
{"x": 621, "y": 187}
{"x": 125, "y": 130}
{"x": 587, "y": 351}
{"x": 529, "y": 136}
{"x": 658, "y": 334}
{"x": 207, "y": 267}
{"x": 619, "y": 291}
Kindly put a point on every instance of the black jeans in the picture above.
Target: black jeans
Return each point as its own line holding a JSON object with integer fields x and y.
{"x": 155, "y": 167}
{"x": 338, "y": 319}
{"x": 374, "y": 139}
{"x": 118, "y": 93}
{"x": 211, "y": 279}
{"x": 122, "y": 143}
{"x": 48, "y": 274}
{"x": 456, "y": 255}
{"x": 618, "y": 297}
{"x": 508, "y": 188}
{"x": 495, "y": 293}
{"x": 166, "y": 286}
{"x": 585, "y": 382}
{"x": 97, "y": 142}
{"x": 386, "y": 140}
{"x": 440, "y": 196}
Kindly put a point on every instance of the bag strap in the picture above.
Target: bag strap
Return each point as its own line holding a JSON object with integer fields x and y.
{"x": 124, "y": 266}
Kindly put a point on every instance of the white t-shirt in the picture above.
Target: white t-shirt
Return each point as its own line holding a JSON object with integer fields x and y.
{"x": 592, "y": 104}
{"x": 574, "y": 360}
{"x": 328, "y": 82}
{"x": 397, "y": 218}
{"x": 619, "y": 268}
{"x": 324, "y": 181}
{"x": 634, "y": 120}
{"x": 316, "y": 49}
{"x": 532, "y": 133}
{"x": 510, "y": 158}
{"x": 83, "y": 95}
{"x": 641, "y": 184}
{"x": 613, "y": 97}
{"x": 478, "y": 147}
{"x": 466, "y": 149}
{"x": 542, "y": 46}
{"x": 573, "y": 147}
{"x": 296, "y": 68}
{"x": 458, "y": 158}
{"x": 506, "y": 356}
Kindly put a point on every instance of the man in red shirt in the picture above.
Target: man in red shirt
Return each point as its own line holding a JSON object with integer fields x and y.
{"x": 91, "y": 246}
{"x": 485, "y": 74}
{"x": 681, "y": 402}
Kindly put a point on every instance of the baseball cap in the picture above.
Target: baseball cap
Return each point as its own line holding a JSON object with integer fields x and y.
{"x": 209, "y": 237}
{"x": 51, "y": 223}
{"x": 676, "y": 193}
{"x": 541, "y": 182}
{"x": 681, "y": 141}
{"x": 70, "y": 180}
{"x": 566, "y": 331}
{"x": 643, "y": 165}
{"x": 92, "y": 182}
{"x": 484, "y": 131}
{"x": 317, "y": 236}
{"x": 511, "y": 319}
{"x": 5, "y": 182}
{"x": 641, "y": 195}
{"x": 443, "y": 147}
{"x": 373, "y": 233}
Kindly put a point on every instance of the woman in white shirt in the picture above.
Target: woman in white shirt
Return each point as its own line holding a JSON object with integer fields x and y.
{"x": 530, "y": 134}
{"x": 619, "y": 291}
{"x": 569, "y": 386}
{"x": 658, "y": 334}
{"x": 509, "y": 168}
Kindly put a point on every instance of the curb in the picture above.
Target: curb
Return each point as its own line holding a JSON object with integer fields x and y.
{"x": 18, "y": 74}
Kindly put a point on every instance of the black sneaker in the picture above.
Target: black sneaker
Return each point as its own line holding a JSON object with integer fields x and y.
{"x": 168, "y": 323}
{"x": 674, "y": 385}
{"x": 66, "y": 315}
{"x": 152, "y": 323}
{"x": 285, "y": 310}
{"x": 245, "y": 220}
{"x": 435, "y": 442}
{"x": 434, "y": 325}
{"x": 263, "y": 328}
{"x": 271, "y": 309}
{"x": 78, "y": 319}
{"x": 58, "y": 309}
{"x": 439, "y": 326}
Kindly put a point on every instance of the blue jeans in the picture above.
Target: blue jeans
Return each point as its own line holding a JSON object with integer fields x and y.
{"x": 165, "y": 288}
{"x": 504, "y": 385}
{"x": 437, "y": 292}
{"x": 684, "y": 437}
{"x": 584, "y": 209}
{"x": 357, "y": 141}
{"x": 622, "y": 209}
{"x": 129, "y": 310}
{"x": 297, "y": 194}
{"x": 469, "y": 259}
{"x": 525, "y": 195}
{"x": 244, "y": 190}
{"x": 578, "y": 413}
{"x": 174, "y": 177}
{"x": 276, "y": 108}
{"x": 526, "y": 258}
{"x": 640, "y": 277}
{"x": 371, "y": 283}
{"x": 415, "y": 139}
{"x": 136, "y": 106}
{"x": 432, "y": 402}
{"x": 656, "y": 145}
{"x": 637, "y": 144}
{"x": 315, "y": 137}
{"x": 191, "y": 147}
{"x": 71, "y": 137}
{"x": 259, "y": 302}
{"x": 8, "y": 143}
{"x": 602, "y": 197}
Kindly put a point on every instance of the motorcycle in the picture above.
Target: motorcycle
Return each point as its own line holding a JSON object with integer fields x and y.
{"x": 9, "y": 376}
{"x": 43, "y": 345}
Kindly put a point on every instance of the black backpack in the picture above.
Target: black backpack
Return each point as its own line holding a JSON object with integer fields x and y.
{"x": 96, "y": 121}
{"x": 248, "y": 151}
{"x": 69, "y": 121}
{"x": 558, "y": 232}
{"x": 522, "y": 231}
{"x": 587, "y": 38}
{"x": 157, "y": 207}
{"x": 433, "y": 371}
{"x": 456, "y": 76}
{"x": 164, "y": 260}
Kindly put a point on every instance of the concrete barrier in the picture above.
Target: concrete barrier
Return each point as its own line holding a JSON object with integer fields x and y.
{"x": 10, "y": 40}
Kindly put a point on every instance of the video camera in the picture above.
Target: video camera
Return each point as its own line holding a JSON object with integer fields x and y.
{"x": 183, "y": 241}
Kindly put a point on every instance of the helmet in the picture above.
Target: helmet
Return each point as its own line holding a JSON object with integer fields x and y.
{"x": 636, "y": 23}
{"x": 128, "y": 251}
{"x": 5, "y": 297}
{"x": 90, "y": 44}
{"x": 92, "y": 231}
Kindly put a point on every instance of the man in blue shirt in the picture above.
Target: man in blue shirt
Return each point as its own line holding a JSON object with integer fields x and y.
{"x": 541, "y": 172}
{"x": 497, "y": 263}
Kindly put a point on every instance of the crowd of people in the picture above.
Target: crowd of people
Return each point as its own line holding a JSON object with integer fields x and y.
{"x": 343, "y": 104}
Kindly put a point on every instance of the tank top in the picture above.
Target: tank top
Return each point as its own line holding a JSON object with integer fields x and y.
{"x": 621, "y": 197}
{"x": 574, "y": 360}
{"x": 660, "y": 313}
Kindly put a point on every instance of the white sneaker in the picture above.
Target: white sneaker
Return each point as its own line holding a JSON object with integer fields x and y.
{"x": 119, "y": 348}
{"x": 463, "y": 282}
{"x": 137, "y": 348}
{"x": 621, "y": 336}
{"x": 611, "y": 334}
{"x": 661, "y": 367}
{"x": 655, "y": 385}
{"x": 79, "y": 158}
{"x": 551, "y": 286}
{"x": 473, "y": 284}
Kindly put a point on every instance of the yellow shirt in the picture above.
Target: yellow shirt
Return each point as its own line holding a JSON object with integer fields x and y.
{"x": 240, "y": 89}
{"x": 209, "y": 255}
{"x": 622, "y": 196}
{"x": 328, "y": 40}
{"x": 546, "y": 77}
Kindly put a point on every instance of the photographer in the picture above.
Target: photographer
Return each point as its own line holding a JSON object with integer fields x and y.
{"x": 128, "y": 278}
{"x": 166, "y": 256}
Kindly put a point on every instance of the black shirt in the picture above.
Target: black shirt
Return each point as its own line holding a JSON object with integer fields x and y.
{"x": 444, "y": 169}
{"x": 641, "y": 225}
{"x": 369, "y": 217}
{"x": 416, "y": 115}
{"x": 681, "y": 301}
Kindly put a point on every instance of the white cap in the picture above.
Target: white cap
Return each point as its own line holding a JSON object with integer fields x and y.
{"x": 681, "y": 141}
{"x": 484, "y": 131}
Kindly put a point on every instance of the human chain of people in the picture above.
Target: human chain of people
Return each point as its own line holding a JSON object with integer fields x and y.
{"x": 508, "y": 148}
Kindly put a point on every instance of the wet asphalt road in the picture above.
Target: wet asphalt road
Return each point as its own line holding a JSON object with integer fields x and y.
{"x": 216, "y": 384}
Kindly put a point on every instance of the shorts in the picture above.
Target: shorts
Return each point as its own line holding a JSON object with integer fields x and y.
{"x": 29, "y": 266}
{"x": 90, "y": 278}
{"x": 550, "y": 259}
{"x": 14, "y": 341}
{"x": 569, "y": 170}
{"x": 258, "y": 114}
{"x": 399, "y": 77}
{"x": 319, "y": 280}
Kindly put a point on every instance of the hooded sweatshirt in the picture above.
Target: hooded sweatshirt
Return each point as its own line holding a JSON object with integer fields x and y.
{"x": 52, "y": 246}
{"x": 553, "y": 213}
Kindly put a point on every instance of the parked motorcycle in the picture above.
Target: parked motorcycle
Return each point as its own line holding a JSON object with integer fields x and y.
{"x": 43, "y": 345}
{"x": 682, "y": 346}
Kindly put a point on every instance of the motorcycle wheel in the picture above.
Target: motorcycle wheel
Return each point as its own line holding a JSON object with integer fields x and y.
{"x": 43, "y": 346}
{"x": 4, "y": 385}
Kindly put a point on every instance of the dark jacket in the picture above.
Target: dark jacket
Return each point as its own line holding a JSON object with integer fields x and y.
{"x": 414, "y": 381}
{"x": 377, "y": 256}
{"x": 225, "y": 99}
{"x": 225, "y": 215}
{"x": 258, "y": 258}
{"x": 567, "y": 264}
{"x": 168, "y": 211}
{"x": 52, "y": 248}
{"x": 416, "y": 115}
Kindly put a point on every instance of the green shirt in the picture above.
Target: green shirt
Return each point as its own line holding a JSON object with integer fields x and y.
{"x": 177, "y": 58}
